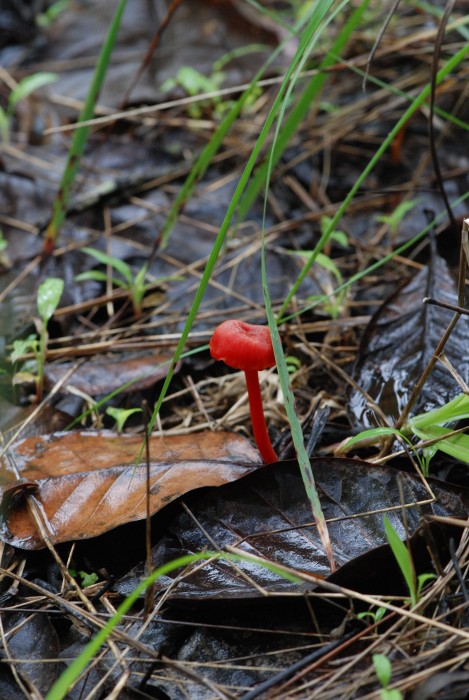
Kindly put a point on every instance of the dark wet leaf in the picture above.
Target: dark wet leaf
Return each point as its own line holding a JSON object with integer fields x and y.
{"x": 454, "y": 685}
{"x": 267, "y": 514}
{"x": 398, "y": 343}
{"x": 88, "y": 483}
{"x": 31, "y": 639}
{"x": 102, "y": 376}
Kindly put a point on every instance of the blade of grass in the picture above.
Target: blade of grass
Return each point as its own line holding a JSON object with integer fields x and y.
{"x": 402, "y": 556}
{"x": 455, "y": 445}
{"x": 456, "y": 409}
{"x": 300, "y": 110}
{"x": 295, "y": 426}
{"x": 208, "y": 153}
{"x": 80, "y": 135}
{"x": 284, "y": 377}
{"x": 389, "y": 87}
{"x": 116, "y": 263}
{"x": 320, "y": 11}
{"x": 379, "y": 263}
{"x": 63, "y": 684}
{"x": 450, "y": 65}
{"x": 212, "y": 147}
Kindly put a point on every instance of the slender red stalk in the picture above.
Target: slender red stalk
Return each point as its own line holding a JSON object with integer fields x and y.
{"x": 259, "y": 428}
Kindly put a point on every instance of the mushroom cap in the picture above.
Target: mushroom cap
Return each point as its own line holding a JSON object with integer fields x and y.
{"x": 243, "y": 346}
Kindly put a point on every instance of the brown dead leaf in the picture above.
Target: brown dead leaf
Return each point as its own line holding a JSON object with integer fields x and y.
{"x": 88, "y": 482}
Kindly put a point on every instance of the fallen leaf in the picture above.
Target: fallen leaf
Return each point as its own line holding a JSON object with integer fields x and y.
{"x": 398, "y": 343}
{"x": 32, "y": 641}
{"x": 101, "y": 376}
{"x": 90, "y": 482}
{"x": 267, "y": 514}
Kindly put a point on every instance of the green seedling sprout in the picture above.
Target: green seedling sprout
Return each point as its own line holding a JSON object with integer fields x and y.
{"x": 429, "y": 426}
{"x": 374, "y": 615}
{"x": 394, "y": 219}
{"x": 23, "y": 89}
{"x": 415, "y": 584}
{"x": 383, "y": 670}
{"x": 80, "y": 136}
{"x": 332, "y": 301}
{"x": 403, "y": 559}
{"x": 46, "y": 18}
{"x": 193, "y": 82}
{"x": 48, "y": 297}
{"x": 86, "y": 579}
{"x": 121, "y": 415}
{"x": 134, "y": 285}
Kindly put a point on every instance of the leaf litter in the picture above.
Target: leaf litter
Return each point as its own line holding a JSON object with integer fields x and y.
{"x": 398, "y": 343}
{"x": 128, "y": 180}
{"x": 88, "y": 483}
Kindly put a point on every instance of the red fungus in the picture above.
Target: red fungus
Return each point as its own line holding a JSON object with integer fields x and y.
{"x": 244, "y": 346}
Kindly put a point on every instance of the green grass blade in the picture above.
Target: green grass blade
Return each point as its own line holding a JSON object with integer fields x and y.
{"x": 28, "y": 85}
{"x": 318, "y": 22}
{"x": 295, "y": 426}
{"x": 80, "y": 135}
{"x": 300, "y": 110}
{"x": 320, "y": 11}
{"x": 373, "y": 434}
{"x": 206, "y": 157}
{"x": 63, "y": 684}
{"x": 449, "y": 66}
{"x": 379, "y": 263}
{"x": 118, "y": 265}
{"x": 454, "y": 410}
{"x": 402, "y": 557}
{"x": 455, "y": 445}
{"x": 370, "y": 78}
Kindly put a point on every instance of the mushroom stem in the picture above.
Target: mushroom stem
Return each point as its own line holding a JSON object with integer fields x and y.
{"x": 259, "y": 427}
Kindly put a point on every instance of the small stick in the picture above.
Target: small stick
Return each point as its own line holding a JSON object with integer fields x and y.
{"x": 445, "y": 305}
{"x": 150, "y": 591}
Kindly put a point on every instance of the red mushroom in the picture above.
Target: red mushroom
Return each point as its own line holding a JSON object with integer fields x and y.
{"x": 244, "y": 346}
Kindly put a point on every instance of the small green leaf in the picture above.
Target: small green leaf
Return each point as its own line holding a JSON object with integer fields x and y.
{"x": 422, "y": 579}
{"x": 88, "y": 579}
{"x": 4, "y": 125}
{"x": 118, "y": 265}
{"x": 372, "y": 434}
{"x": 100, "y": 276}
{"x": 456, "y": 445}
{"x": 402, "y": 556}
{"x": 390, "y": 694}
{"x": 45, "y": 19}
{"x": 383, "y": 669}
{"x": 394, "y": 219}
{"x": 48, "y": 297}
{"x": 454, "y": 410}
{"x": 375, "y": 616}
{"x": 328, "y": 264}
{"x": 121, "y": 415}
{"x": 139, "y": 287}
{"x": 194, "y": 82}
{"x": 28, "y": 85}
{"x": 22, "y": 346}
